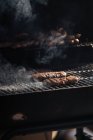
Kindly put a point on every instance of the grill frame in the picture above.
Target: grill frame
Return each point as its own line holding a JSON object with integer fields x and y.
{"x": 48, "y": 110}
{"x": 85, "y": 72}
{"x": 51, "y": 109}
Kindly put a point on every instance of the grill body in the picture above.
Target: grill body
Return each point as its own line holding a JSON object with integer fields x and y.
{"x": 51, "y": 107}
{"x": 48, "y": 110}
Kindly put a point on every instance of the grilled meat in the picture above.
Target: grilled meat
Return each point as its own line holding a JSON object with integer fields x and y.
{"x": 21, "y": 44}
{"x": 72, "y": 79}
{"x": 76, "y": 41}
{"x": 70, "y": 37}
{"x": 56, "y": 40}
{"x": 52, "y": 38}
{"x": 46, "y": 75}
{"x": 73, "y": 39}
{"x": 55, "y": 81}
{"x": 78, "y": 36}
{"x": 62, "y": 80}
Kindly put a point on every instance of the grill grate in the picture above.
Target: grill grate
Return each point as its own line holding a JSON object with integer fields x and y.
{"x": 86, "y": 80}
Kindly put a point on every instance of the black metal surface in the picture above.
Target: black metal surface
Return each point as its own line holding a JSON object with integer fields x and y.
{"x": 52, "y": 107}
{"x": 74, "y": 55}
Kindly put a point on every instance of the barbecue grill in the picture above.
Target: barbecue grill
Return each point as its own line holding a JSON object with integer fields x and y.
{"x": 34, "y": 106}
{"x": 56, "y": 107}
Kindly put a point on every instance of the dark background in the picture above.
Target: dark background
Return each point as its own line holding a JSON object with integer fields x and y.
{"x": 34, "y": 15}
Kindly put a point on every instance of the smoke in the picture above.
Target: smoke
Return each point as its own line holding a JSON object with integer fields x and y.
{"x": 53, "y": 46}
{"x": 19, "y": 16}
{"x": 17, "y": 79}
{"x": 15, "y": 11}
{"x": 50, "y": 53}
{"x": 44, "y": 2}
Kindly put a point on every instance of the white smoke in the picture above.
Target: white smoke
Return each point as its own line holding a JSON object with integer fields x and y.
{"x": 17, "y": 9}
{"x": 50, "y": 53}
{"x": 17, "y": 79}
{"x": 45, "y": 2}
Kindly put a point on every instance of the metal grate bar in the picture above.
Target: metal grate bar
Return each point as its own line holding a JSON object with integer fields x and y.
{"x": 85, "y": 73}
